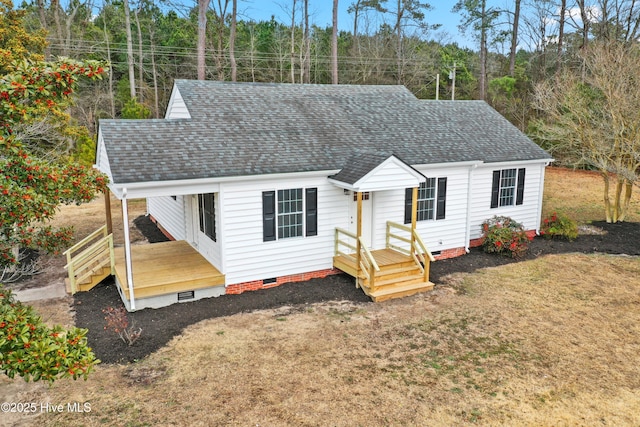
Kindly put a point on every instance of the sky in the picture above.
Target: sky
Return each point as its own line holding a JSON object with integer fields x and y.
{"x": 321, "y": 11}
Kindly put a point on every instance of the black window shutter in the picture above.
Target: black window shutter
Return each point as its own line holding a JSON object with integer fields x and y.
{"x": 441, "y": 203}
{"x": 311, "y": 213}
{"x": 495, "y": 189}
{"x": 520, "y": 188}
{"x": 408, "y": 199}
{"x": 268, "y": 215}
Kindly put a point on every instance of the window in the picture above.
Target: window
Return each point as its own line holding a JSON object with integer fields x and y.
{"x": 289, "y": 213}
{"x": 508, "y": 187}
{"x": 207, "y": 211}
{"x": 432, "y": 197}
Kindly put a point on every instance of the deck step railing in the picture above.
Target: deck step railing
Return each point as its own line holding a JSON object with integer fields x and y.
{"x": 407, "y": 241}
{"x": 89, "y": 257}
{"x": 346, "y": 246}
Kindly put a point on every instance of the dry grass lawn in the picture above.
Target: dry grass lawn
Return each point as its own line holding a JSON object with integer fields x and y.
{"x": 554, "y": 341}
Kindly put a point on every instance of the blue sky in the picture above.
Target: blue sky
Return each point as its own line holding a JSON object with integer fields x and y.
{"x": 320, "y": 11}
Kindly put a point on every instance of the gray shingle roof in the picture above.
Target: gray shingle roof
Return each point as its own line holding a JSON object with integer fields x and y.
{"x": 255, "y": 128}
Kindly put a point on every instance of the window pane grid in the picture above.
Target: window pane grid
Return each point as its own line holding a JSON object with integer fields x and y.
{"x": 426, "y": 199}
{"x": 290, "y": 213}
{"x": 207, "y": 209}
{"x": 507, "y": 187}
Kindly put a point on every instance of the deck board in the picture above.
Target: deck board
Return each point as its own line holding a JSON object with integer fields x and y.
{"x": 166, "y": 267}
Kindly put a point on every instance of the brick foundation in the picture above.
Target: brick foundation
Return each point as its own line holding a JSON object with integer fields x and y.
{"x": 450, "y": 253}
{"x": 255, "y": 285}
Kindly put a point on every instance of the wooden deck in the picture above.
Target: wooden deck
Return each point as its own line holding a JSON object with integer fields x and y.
{"x": 166, "y": 268}
{"x": 399, "y": 275}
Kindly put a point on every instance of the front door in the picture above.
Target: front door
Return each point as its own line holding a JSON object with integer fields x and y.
{"x": 367, "y": 213}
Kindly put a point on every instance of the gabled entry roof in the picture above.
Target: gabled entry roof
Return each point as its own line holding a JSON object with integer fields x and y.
{"x": 376, "y": 172}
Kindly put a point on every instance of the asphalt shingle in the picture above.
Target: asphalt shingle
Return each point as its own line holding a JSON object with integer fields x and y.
{"x": 257, "y": 128}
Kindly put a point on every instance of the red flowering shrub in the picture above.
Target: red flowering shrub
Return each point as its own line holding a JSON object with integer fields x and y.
{"x": 504, "y": 236}
{"x": 558, "y": 225}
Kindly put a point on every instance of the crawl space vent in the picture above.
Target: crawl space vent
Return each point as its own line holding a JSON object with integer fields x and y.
{"x": 187, "y": 295}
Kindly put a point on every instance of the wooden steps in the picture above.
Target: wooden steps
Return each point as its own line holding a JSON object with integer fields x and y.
{"x": 97, "y": 276}
{"x": 399, "y": 275}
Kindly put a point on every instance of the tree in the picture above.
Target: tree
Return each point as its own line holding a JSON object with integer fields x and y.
{"x": 334, "y": 44}
{"x": 32, "y": 101}
{"x": 15, "y": 41}
{"x": 203, "y": 7}
{"x": 514, "y": 39}
{"x": 592, "y": 119}
{"x": 34, "y": 351}
{"x": 476, "y": 15}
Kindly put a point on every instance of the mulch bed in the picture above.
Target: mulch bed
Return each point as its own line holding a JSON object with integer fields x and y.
{"x": 161, "y": 325}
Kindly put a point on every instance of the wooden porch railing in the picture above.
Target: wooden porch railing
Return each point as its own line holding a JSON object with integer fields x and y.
{"x": 89, "y": 256}
{"x": 367, "y": 265}
{"x": 402, "y": 239}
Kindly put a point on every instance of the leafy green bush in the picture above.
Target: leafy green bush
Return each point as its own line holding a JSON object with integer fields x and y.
{"x": 35, "y": 351}
{"x": 558, "y": 225}
{"x": 504, "y": 236}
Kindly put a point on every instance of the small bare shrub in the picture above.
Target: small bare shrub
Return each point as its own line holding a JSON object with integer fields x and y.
{"x": 118, "y": 322}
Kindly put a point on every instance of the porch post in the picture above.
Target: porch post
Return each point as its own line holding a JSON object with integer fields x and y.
{"x": 414, "y": 216}
{"x": 358, "y": 230}
{"x": 107, "y": 209}
{"x": 127, "y": 249}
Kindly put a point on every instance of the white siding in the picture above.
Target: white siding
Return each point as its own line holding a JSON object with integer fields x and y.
{"x": 176, "y": 109}
{"x": 169, "y": 213}
{"x": 389, "y": 175}
{"x": 447, "y": 233}
{"x": 247, "y": 257}
{"x": 528, "y": 213}
{"x": 102, "y": 159}
{"x": 209, "y": 249}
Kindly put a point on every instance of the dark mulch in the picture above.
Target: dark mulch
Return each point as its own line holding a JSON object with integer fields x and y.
{"x": 160, "y": 325}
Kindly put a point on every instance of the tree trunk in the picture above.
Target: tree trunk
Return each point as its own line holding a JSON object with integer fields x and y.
{"x": 111, "y": 96}
{"x": 154, "y": 73}
{"x": 307, "y": 45}
{"x": 514, "y": 39}
{"x": 232, "y": 41}
{"x": 607, "y": 202}
{"x": 483, "y": 51}
{"x": 399, "y": 41}
{"x": 140, "y": 58}
{"x": 132, "y": 74}
{"x": 293, "y": 42}
{"x": 43, "y": 23}
{"x": 563, "y": 11}
{"x": 203, "y": 7}
{"x": 55, "y": 5}
{"x": 334, "y": 45}
{"x": 628, "y": 189}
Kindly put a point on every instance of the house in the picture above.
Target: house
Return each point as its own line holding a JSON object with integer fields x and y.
{"x": 273, "y": 183}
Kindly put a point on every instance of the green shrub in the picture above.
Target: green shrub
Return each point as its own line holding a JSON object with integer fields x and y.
{"x": 504, "y": 236}
{"x": 558, "y": 225}
{"x": 34, "y": 351}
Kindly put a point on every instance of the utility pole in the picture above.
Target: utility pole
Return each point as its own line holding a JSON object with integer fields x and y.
{"x": 452, "y": 76}
{"x": 437, "y": 86}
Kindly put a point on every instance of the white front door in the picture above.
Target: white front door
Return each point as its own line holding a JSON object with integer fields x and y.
{"x": 367, "y": 213}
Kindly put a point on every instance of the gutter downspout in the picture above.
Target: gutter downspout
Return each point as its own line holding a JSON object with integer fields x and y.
{"x": 467, "y": 236}
{"x": 127, "y": 249}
